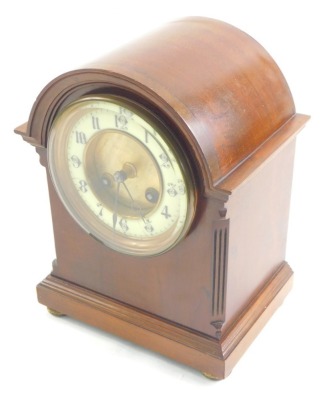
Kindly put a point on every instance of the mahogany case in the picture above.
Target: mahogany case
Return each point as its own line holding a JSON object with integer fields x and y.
{"x": 230, "y": 108}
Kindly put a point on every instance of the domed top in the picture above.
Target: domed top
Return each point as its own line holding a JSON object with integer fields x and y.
{"x": 216, "y": 84}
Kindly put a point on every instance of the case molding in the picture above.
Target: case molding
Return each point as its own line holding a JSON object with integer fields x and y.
{"x": 215, "y": 358}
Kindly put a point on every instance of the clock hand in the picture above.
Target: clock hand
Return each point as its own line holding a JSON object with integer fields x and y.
{"x": 133, "y": 202}
{"x": 119, "y": 177}
{"x": 128, "y": 171}
{"x": 115, "y": 214}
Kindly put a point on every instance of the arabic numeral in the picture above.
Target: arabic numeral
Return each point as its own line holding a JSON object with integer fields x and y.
{"x": 121, "y": 121}
{"x": 149, "y": 227}
{"x": 75, "y": 161}
{"x": 83, "y": 186}
{"x": 181, "y": 187}
{"x": 165, "y": 160}
{"x": 123, "y": 225}
{"x": 126, "y": 112}
{"x": 101, "y": 209}
{"x": 149, "y": 135}
{"x": 165, "y": 212}
{"x": 172, "y": 190}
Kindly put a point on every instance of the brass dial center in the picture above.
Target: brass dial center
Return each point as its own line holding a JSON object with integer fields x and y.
{"x": 113, "y": 158}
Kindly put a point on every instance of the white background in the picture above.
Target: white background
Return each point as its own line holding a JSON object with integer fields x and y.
{"x": 43, "y": 357}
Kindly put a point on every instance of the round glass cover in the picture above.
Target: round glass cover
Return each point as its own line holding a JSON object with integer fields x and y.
{"x": 120, "y": 176}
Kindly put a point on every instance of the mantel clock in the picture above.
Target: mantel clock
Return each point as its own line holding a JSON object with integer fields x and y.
{"x": 169, "y": 166}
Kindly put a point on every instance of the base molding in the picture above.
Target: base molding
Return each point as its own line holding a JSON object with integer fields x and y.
{"x": 215, "y": 358}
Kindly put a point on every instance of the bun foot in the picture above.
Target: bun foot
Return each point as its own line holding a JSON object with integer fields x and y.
{"x": 55, "y": 312}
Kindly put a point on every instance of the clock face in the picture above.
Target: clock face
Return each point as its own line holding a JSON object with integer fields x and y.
{"x": 120, "y": 176}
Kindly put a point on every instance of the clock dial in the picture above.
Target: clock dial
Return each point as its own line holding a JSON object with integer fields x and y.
{"x": 120, "y": 176}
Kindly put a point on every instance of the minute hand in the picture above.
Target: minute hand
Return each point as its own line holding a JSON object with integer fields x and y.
{"x": 115, "y": 214}
{"x": 134, "y": 203}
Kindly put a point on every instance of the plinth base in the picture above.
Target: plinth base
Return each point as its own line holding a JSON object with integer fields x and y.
{"x": 214, "y": 358}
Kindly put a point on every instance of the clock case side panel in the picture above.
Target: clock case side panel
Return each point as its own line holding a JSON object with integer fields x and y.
{"x": 258, "y": 210}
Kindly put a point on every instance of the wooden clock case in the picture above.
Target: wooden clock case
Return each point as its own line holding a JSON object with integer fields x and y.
{"x": 229, "y": 107}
